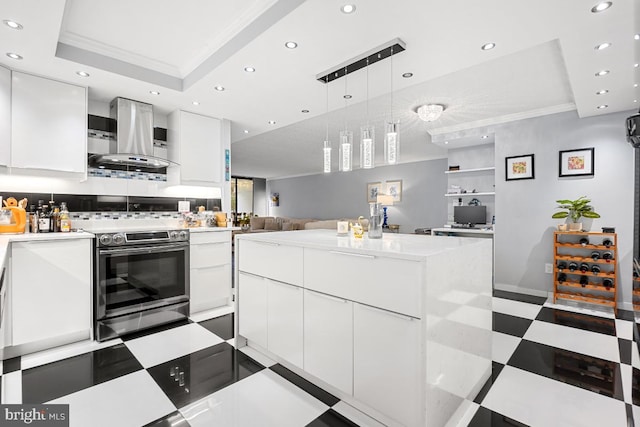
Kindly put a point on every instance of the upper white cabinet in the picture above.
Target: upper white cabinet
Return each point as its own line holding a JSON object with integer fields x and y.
{"x": 5, "y": 116}
{"x": 48, "y": 124}
{"x": 195, "y": 143}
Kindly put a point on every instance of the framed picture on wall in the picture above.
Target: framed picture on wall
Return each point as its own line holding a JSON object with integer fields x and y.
{"x": 373, "y": 189}
{"x": 579, "y": 162}
{"x": 394, "y": 189}
{"x": 519, "y": 167}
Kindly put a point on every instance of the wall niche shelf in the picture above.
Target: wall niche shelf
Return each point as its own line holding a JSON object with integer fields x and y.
{"x": 489, "y": 168}
{"x": 485, "y": 193}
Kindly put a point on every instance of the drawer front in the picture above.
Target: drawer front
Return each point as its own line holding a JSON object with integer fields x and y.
{"x": 210, "y": 237}
{"x": 252, "y": 308}
{"x": 389, "y": 283}
{"x": 209, "y": 254}
{"x": 210, "y": 287}
{"x": 278, "y": 262}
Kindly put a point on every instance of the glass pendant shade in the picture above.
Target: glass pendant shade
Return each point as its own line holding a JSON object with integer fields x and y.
{"x": 367, "y": 147}
{"x": 391, "y": 143}
{"x": 327, "y": 156}
{"x": 346, "y": 151}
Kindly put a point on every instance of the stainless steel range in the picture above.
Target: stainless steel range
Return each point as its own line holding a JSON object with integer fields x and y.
{"x": 141, "y": 280}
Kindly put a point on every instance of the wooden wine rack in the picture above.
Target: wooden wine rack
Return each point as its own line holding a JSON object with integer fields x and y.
{"x": 567, "y": 249}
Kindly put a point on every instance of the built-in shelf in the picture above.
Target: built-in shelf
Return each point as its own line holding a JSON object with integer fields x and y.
{"x": 487, "y": 193}
{"x": 490, "y": 168}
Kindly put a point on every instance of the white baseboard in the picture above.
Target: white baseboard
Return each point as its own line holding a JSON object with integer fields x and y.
{"x": 519, "y": 290}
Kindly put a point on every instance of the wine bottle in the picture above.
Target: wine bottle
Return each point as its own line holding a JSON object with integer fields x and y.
{"x": 595, "y": 255}
{"x": 607, "y": 283}
{"x": 573, "y": 266}
{"x": 562, "y": 265}
{"x": 595, "y": 269}
{"x": 584, "y": 267}
{"x": 607, "y": 242}
{"x": 584, "y": 281}
{"x": 44, "y": 220}
{"x": 607, "y": 256}
{"x": 562, "y": 277}
{"x": 584, "y": 241}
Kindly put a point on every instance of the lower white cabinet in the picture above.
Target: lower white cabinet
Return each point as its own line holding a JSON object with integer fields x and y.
{"x": 50, "y": 289}
{"x": 210, "y": 270}
{"x": 328, "y": 339}
{"x": 284, "y": 321}
{"x": 386, "y": 363}
{"x": 252, "y": 315}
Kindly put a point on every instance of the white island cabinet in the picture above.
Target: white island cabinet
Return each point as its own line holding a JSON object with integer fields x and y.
{"x": 48, "y": 124}
{"x": 210, "y": 269}
{"x": 398, "y": 327}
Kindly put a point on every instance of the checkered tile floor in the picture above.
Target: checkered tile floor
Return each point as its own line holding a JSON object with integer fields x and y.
{"x": 552, "y": 367}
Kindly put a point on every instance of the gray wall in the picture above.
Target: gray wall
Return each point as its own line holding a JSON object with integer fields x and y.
{"x": 343, "y": 194}
{"x": 524, "y": 228}
{"x": 260, "y": 205}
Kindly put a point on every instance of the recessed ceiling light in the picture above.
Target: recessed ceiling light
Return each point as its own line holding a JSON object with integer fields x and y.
{"x": 219, "y": 88}
{"x": 249, "y": 69}
{"x": 602, "y": 46}
{"x": 348, "y": 8}
{"x": 636, "y": 37}
{"x": 407, "y": 75}
{"x": 602, "y": 92}
{"x": 602, "y": 73}
{"x": 347, "y": 97}
{"x": 446, "y": 142}
{"x": 305, "y": 111}
{"x": 635, "y": 100}
{"x": 272, "y": 122}
{"x": 82, "y": 73}
{"x": 484, "y": 136}
{"x": 14, "y": 55}
{"x": 602, "y": 6}
{"x": 291, "y": 45}
{"x": 12, "y": 24}
{"x": 488, "y": 46}
{"x": 635, "y": 65}
{"x": 246, "y": 131}
{"x": 195, "y": 103}
{"x": 602, "y": 107}
{"x": 635, "y": 85}
{"x": 154, "y": 92}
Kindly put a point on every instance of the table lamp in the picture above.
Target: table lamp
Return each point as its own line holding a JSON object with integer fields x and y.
{"x": 385, "y": 200}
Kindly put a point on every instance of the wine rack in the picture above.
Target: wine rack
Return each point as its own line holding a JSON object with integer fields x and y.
{"x": 599, "y": 287}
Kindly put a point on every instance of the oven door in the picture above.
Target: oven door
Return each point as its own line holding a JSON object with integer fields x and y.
{"x": 132, "y": 279}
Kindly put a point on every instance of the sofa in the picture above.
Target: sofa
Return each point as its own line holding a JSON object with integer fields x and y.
{"x": 261, "y": 224}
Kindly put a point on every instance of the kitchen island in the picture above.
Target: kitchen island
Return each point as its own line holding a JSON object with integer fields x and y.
{"x": 398, "y": 327}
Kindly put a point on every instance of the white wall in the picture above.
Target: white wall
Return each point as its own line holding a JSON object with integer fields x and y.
{"x": 344, "y": 194}
{"x": 524, "y": 228}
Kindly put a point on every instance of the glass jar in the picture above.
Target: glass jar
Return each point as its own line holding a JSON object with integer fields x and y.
{"x": 375, "y": 220}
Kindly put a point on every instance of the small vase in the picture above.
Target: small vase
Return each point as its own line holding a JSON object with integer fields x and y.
{"x": 575, "y": 226}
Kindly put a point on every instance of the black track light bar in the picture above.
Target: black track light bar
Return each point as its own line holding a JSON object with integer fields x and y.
{"x": 378, "y": 54}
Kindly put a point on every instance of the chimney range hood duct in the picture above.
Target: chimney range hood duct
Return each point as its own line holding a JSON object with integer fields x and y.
{"x": 134, "y": 136}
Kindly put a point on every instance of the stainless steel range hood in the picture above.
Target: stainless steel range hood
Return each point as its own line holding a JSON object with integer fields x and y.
{"x": 134, "y": 136}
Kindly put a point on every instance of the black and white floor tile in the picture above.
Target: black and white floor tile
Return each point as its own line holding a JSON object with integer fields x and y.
{"x": 552, "y": 366}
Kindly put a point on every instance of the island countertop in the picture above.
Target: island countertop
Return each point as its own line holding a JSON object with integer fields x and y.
{"x": 407, "y": 246}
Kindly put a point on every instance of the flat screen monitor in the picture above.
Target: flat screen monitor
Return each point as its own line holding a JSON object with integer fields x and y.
{"x": 473, "y": 215}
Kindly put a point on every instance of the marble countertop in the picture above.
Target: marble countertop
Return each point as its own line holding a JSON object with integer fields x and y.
{"x": 406, "y": 246}
{"x": 5, "y": 239}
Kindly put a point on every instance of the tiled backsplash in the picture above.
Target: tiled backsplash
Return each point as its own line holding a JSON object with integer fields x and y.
{"x": 123, "y": 215}
{"x": 122, "y": 174}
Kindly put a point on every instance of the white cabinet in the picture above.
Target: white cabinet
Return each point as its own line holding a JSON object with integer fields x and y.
{"x": 328, "y": 339}
{"x": 50, "y": 289}
{"x": 252, "y": 312}
{"x": 195, "y": 143}
{"x": 5, "y": 116}
{"x": 273, "y": 260}
{"x": 284, "y": 321}
{"x": 210, "y": 270}
{"x": 48, "y": 124}
{"x": 386, "y": 363}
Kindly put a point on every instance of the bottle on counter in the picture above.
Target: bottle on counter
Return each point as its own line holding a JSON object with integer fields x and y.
{"x": 44, "y": 220}
{"x": 55, "y": 220}
{"x": 30, "y": 220}
{"x": 65, "y": 220}
{"x": 52, "y": 219}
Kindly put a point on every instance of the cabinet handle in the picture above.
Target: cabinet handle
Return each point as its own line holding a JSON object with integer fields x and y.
{"x": 329, "y": 297}
{"x": 281, "y": 283}
{"x": 390, "y": 313}
{"x": 208, "y": 243}
{"x": 266, "y": 243}
{"x": 352, "y": 254}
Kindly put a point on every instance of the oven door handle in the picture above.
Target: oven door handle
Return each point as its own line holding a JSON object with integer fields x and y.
{"x": 147, "y": 250}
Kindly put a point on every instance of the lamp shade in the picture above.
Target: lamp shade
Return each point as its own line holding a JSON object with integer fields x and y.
{"x": 384, "y": 199}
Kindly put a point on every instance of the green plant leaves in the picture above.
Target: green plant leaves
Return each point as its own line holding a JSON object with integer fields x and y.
{"x": 559, "y": 215}
{"x": 575, "y": 209}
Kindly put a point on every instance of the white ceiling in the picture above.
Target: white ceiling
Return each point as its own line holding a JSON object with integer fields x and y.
{"x": 544, "y": 62}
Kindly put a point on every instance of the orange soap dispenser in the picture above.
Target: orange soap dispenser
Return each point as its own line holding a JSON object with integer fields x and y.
{"x": 18, "y": 216}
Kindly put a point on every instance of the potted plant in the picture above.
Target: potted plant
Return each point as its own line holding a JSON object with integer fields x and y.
{"x": 575, "y": 209}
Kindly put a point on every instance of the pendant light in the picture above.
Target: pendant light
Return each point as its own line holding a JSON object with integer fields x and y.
{"x": 367, "y": 138}
{"x": 346, "y": 137}
{"x": 392, "y": 128}
{"x": 326, "y": 150}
